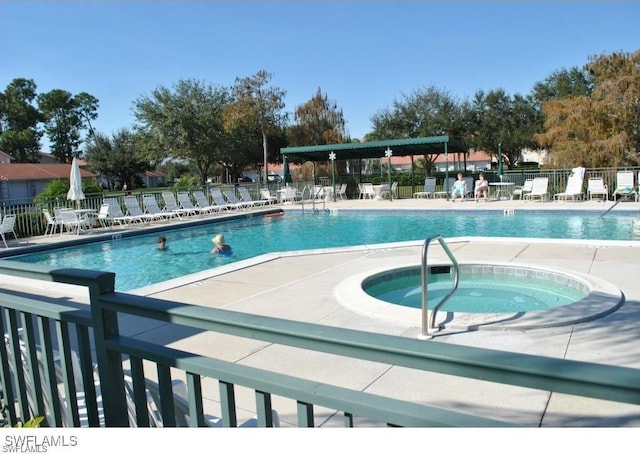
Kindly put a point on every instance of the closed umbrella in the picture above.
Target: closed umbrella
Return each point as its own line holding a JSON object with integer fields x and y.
{"x": 287, "y": 172}
{"x": 75, "y": 183}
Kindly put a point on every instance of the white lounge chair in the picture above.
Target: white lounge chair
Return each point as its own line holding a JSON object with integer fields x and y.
{"x": 625, "y": 186}
{"x": 574, "y": 186}
{"x": 245, "y": 195}
{"x": 171, "y": 204}
{"x": 234, "y": 201}
{"x": 204, "y": 204}
{"x": 447, "y": 185}
{"x": 151, "y": 205}
{"x": 116, "y": 214}
{"x": 134, "y": 210}
{"x": 428, "y": 191}
{"x": 184, "y": 199}
{"x": 520, "y": 191}
{"x": 596, "y": 188}
{"x": 219, "y": 200}
{"x": 539, "y": 189}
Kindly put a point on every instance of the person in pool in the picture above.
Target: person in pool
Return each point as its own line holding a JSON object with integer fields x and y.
{"x": 162, "y": 243}
{"x": 220, "y": 246}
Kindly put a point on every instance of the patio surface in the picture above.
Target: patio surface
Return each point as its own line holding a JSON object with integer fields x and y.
{"x": 304, "y": 286}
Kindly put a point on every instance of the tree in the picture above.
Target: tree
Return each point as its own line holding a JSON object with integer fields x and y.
{"x": 495, "y": 118}
{"x": 19, "y": 118}
{"x": 65, "y": 117}
{"x": 423, "y": 113}
{"x": 257, "y": 105}
{"x": 117, "y": 159}
{"x": 601, "y": 127}
{"x": 319, "y": 121}
{"x": 563, "y": 83}
{"x": 186, "y": 123}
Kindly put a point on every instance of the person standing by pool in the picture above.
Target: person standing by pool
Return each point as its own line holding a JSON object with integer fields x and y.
{"x": 459, "y": 189}
{"x": 220, "y": 246}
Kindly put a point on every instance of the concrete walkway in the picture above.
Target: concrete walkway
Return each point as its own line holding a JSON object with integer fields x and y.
{"x": 310, "y": 286}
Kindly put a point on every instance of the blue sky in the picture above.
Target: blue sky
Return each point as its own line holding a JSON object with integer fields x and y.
{"x": 361, "y": 54}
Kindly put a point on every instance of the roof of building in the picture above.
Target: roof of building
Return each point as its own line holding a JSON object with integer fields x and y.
{"x": 12, "y": 172}
{"x": 376, "y": 149}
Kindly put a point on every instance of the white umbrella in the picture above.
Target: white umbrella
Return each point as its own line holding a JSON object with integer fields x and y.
{"x": 75, "y": 183}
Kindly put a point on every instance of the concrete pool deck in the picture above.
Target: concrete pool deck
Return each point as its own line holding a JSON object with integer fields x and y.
{"x": 302, "y": 286}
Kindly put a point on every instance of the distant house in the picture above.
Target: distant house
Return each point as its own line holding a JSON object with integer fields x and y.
{"x": 5, "y": 158}
{"x": 47, "y": 158}
{"x": 154, "y": 179}
{"x": 20, "y": 183}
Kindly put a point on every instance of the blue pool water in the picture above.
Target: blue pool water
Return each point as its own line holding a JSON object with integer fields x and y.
{"x": 137, "y": 263}
{"x": 487, "y": 292}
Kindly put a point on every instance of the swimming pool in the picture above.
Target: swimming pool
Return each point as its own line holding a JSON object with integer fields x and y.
{"x": 137, "y": 263}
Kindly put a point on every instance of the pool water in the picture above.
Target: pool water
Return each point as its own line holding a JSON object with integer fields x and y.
{"x": 476, "y": 292}
{"x": 137, "y": 263}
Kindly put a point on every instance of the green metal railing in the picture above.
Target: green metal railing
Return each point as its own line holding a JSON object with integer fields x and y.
{"x": 39, "y": 375}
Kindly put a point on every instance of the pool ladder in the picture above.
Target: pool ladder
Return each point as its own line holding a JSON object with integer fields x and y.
{"x": 426, "y": 323}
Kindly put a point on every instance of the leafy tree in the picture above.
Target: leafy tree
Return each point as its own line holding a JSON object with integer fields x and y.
{"x": 55, "y": 188}
{"x": 496, "y": 118}
{"x": 602, "y": 127}
{"x": 65, "y": 117}
{"x": 116, "y": 159}
{"x": 319, "y": 121}
{"x": 186, "y": 122}
{"x": 563, "y": 83}
{"x": 257, "y": 105}
{"x": 423, "y": 113}
{"x": 19, "y": 118}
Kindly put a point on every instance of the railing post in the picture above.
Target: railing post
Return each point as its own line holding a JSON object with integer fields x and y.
{"x": 105, "y": 327}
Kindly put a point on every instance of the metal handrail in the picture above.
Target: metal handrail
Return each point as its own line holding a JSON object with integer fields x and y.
{"x": 425, "y": 283}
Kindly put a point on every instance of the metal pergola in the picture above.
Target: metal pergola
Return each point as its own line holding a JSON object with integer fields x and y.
{"x": 376, "y": 149}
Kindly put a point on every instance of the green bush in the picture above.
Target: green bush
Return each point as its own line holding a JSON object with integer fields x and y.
{"x": 187, "y": 182}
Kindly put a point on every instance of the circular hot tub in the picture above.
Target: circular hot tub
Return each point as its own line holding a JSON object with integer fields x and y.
{"x": 499, "y": 296}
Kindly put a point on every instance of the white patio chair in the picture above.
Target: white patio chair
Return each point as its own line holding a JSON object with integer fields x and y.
{"x": 625, "y": 186}
{"x": 596, "y": 188}
{"x": 539, "y": 189}
{"x": 73, "y": 223}
{"x": 520, "y": 191}
{"x": 52, "y": 222}
{"x": 342, "y": 192}
{"x": 265, "y": 194}
{"x": 8, "y": 226}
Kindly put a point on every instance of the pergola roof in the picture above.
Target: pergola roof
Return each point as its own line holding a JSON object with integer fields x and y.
{"x": 363, "y": 150}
